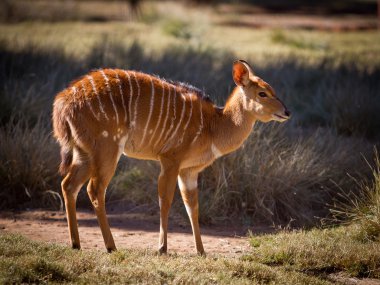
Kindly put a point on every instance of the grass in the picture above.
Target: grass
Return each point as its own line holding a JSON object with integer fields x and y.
{"x": 297, "y": 257}
{"x": 319, "y": 252}
{"x": 25, "y": 261}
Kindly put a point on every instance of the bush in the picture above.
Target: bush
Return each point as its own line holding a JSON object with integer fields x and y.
{"x": 28, "y": 165}
{"x": 362, "y": 208}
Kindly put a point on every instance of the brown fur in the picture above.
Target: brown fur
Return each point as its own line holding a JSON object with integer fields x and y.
{"x": 109, "y": 112}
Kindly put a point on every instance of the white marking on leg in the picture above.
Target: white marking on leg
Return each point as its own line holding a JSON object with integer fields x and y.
{"x": 130, "y": 98}
{"x": 188, "y": 210}
{"x": 88, "y": 102}
{"x": 121, "y": 145}
{"x": 77, "y": 158}
{"x": 106, "y": 80}
{"x": 200, "y": 124}
{"x": 215, "y": 151}
{"x": 189, "y": 183}
{"x": 188, "y": 121}
{"x": 97, "y": 95}
{"x": 136, "y": 102}
{"x": 161, "y": 110}
{"x": 105, "y": 134}
{"x": 167, "y": 146}
{"x": 166, "y": 119}
{"x": 122, "y": 95}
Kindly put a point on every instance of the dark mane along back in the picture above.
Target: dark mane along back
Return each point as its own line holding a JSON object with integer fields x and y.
{"x": 191, "y": 89}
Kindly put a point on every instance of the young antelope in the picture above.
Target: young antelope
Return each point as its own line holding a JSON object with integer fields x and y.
{"x": 110, "y": 112}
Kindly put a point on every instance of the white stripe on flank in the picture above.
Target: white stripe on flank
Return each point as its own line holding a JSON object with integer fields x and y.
{"x": 88, "y": 102}
{"x": 188, "y": 121}
{"x": 150, "y": 112}
{"x": 106, "y": 80}
{"x": 179, "y": 123}
{"x": 161, "y": 110}
{"x": 121, "y": 95}
{"x": 74, "y": 92}
{"x": 97, "y": 95}
{"x": 136, "y": 102}
{"x": 201, "y": 123}
{"x": 130, "y": 99}
{"x": 165, "y": 121}
{"x": 174, "y": 116}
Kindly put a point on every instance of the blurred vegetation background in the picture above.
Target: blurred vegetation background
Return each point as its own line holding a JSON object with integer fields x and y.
{"x": 322, "y": 57}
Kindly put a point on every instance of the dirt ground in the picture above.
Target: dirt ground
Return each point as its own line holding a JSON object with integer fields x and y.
{"x": 130, "y": 229}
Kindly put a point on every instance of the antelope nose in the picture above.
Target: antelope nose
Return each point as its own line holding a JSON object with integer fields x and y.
{"x": 287, "y": 113}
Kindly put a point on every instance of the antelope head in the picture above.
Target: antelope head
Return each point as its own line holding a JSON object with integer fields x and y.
{"x": 259, "y": 97}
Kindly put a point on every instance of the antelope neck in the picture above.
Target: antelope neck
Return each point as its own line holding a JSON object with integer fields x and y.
{"x": 233, "y": 125}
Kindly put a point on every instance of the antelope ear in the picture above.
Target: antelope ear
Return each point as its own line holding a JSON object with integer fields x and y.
{"x": 247, "y": 66}
{"x": 240, "y": 73}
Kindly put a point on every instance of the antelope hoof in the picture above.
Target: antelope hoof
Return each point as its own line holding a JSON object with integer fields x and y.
{"x": 162, "y": 250}
{"x": 202, "y": 253}
{"x": 75, "y": 246}
{"x": 110, "y": 250}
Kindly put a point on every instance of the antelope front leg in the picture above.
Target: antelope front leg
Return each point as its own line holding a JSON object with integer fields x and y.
{"x": 188, "y": 184}
{"x": 166, "y": 188}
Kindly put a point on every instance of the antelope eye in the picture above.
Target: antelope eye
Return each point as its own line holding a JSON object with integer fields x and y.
{"x": 263, "y": 94}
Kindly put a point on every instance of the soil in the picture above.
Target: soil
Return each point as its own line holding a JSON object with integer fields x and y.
{"x": 131, "y": 229}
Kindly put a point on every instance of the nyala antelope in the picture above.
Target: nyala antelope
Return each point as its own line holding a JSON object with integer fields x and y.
{"x": 110, "y": 112}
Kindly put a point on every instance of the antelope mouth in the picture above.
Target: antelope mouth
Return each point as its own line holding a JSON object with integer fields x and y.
{"x": 280, "y": 118}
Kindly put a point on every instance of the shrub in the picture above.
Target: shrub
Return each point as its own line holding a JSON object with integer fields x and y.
{"x": 28, "y": 165}
{"x": 362, "y": 208}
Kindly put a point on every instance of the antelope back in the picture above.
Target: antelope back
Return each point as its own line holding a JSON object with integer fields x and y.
{"x": 152, "y": 115}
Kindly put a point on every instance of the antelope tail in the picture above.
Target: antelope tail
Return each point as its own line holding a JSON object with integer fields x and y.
{"x": 62, "y": 133}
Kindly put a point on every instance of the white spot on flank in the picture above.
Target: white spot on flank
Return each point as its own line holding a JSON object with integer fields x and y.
{"x": 105, "y": 134}
{"x": 215, "y": 151}
{"x": 114, "y": 138}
